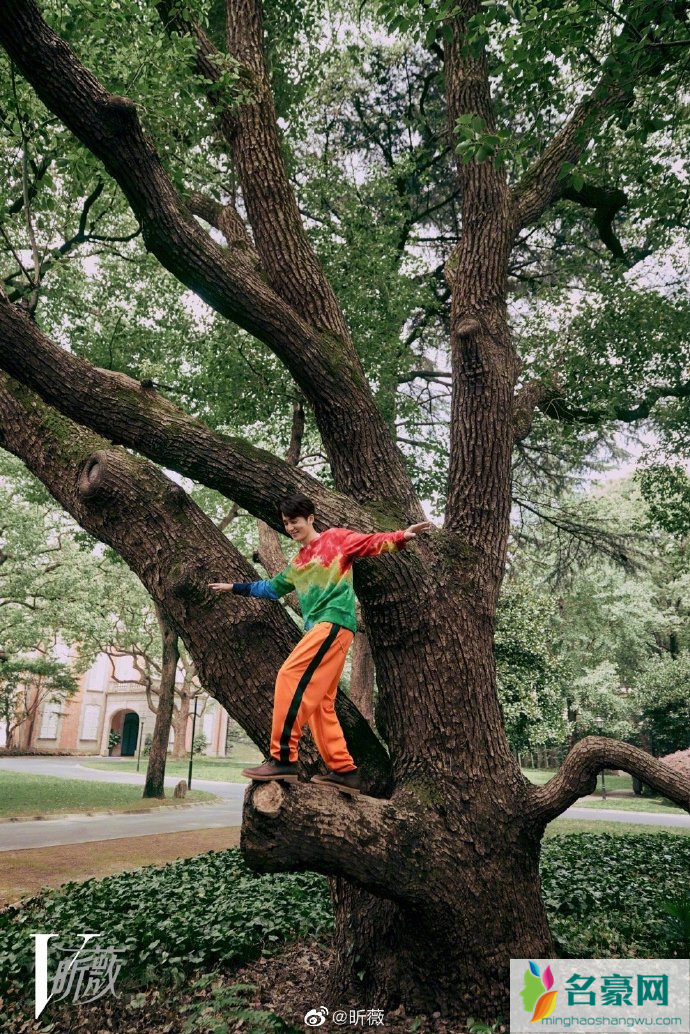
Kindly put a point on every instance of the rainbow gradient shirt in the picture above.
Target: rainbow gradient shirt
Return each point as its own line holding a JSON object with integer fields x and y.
{"x": 321, "y": 575}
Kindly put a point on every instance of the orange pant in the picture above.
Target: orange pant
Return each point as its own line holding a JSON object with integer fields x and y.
{"x": 306, "y": 685}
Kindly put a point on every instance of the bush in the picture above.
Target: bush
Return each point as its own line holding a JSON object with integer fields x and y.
{"x": 21, "y": 752}
{"x": 606, "y": 894}
{"x": 196, "y": 913}
{"x": 200, "y": 744}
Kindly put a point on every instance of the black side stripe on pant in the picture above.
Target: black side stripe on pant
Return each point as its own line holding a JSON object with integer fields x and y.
{"x": 299, "y": 692}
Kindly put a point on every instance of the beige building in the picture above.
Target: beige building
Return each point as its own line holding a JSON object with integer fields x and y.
{"x": 101, "y": 705}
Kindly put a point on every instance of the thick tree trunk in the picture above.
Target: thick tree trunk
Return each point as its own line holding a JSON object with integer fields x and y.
{"x": 453, "y": 953}
{"x": 155, "y": 771}
{"x": 437, "y": 887}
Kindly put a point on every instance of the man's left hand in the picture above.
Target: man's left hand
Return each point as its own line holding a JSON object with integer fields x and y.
{"x": 414, "y": 529}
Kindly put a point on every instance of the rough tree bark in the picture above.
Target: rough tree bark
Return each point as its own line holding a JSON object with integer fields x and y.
{"x": 362, "y": 673}
{"x": 435, "y": 875}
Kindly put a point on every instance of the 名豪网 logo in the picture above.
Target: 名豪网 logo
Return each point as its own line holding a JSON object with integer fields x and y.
{"x": 537, "y": 994}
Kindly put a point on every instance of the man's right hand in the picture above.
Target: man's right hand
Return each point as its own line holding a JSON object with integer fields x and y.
{"x": 220, "y": 586}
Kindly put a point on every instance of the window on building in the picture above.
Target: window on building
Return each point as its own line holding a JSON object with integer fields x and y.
{"x": 90, "y": 728}
{"x": 49, "y": 721}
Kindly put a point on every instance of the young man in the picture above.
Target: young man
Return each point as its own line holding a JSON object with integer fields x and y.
{"x": 306, "y": 684}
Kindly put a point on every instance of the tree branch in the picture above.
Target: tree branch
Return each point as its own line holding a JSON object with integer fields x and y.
{"x": 606, "y": 203}
{"x": 81, "y": 236}
{"x": 131, "y": 413}
{"x": 237, "y": 644}
{"x": 39, "y": 170}
{"x": 553, "y": 405}
{"x": 542, "y": 183}
{"x": 288, "y": 828}
{"x": 589, "y": 531}
{"x": 548, "y": 397}
{"x": 227, "y": 219}
{"x": 525, "y": 401}
{"x": 364, "y": 458}
{"x": 250, "y": 128}
{"x": 577, "y": 776}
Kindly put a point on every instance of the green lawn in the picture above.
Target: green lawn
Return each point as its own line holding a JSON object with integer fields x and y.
{"x": 226, "y": 770}
{"x": 542, "y": 775}
{"x": 563, "y": 827}
{"x": 617, "y": 784}
{"x": 28, "y": 796}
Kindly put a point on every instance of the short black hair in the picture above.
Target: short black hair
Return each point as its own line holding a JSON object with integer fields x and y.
{"x": 297, "y": 506}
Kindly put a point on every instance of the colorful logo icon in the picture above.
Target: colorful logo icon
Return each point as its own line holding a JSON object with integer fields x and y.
{"x": 537, "y": 994}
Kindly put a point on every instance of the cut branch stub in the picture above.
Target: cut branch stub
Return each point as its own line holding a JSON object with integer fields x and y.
{"x": 175, "y": 497}
{"x": 93, "y": 480}
{"x": 467, "y": 327}
{"x": 118, "y": 107}
{"x": 267, "y": 799}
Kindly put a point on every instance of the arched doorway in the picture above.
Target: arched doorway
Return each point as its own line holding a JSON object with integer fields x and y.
{"x": 130, "y": 733}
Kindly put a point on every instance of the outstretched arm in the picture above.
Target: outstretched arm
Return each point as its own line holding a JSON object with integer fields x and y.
{"x": 357, "y": 544}
{"x": 264, "y": 588}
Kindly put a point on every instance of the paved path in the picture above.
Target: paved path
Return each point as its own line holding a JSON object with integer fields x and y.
{"x": 640, "y": 818}
{"x": 79, "y": 829}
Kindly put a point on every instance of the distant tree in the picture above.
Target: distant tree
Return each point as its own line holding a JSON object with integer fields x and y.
{"x": 533, "y": 678}
{"x": 599, "y": 705}
{"x": 27, "y": 686}
{"x": 49, "y": 597}
{"x": 662, "y": 699}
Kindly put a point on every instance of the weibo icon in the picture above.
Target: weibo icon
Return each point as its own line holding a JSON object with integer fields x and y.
{"x": 537, "y": 993}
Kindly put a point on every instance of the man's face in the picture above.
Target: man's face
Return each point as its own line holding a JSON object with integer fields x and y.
{"x": 298, "y": 527}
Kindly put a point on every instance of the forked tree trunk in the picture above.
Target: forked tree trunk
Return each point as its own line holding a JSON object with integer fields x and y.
{"x": 435, "y": 867}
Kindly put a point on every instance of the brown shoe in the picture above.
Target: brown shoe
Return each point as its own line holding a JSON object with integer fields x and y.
{"x": 347, "y": 782}
{"x": 272, "y": 769}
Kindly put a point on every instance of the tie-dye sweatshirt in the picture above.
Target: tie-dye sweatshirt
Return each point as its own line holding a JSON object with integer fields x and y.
{"x": 321, "y": 575}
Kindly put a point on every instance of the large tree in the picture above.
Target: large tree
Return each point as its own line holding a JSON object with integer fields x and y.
{"x": 435, "y": 872}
